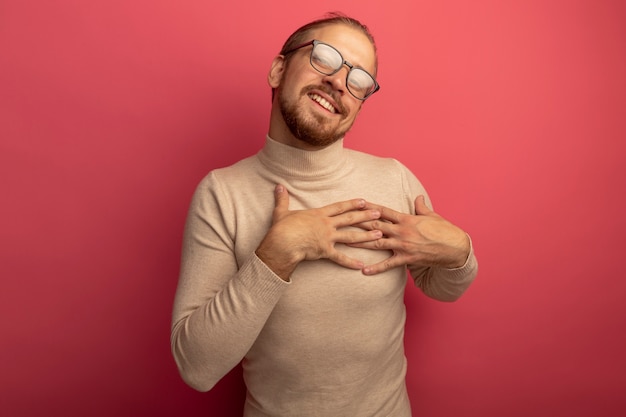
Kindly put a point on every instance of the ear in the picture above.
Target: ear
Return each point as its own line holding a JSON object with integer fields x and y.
{"x": 276, "y": 71}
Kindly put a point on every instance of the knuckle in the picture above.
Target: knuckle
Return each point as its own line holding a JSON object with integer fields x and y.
{"x": 405, "y": 246}
{"x": 344, "y": 207}
{"x": 350, "y": 238}
{"x": 387, "y": 265}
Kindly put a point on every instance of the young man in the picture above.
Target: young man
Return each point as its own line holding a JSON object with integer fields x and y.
{"x": 294, "y": 260}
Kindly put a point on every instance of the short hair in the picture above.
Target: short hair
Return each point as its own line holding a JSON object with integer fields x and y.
{"x": 301, "y": 34}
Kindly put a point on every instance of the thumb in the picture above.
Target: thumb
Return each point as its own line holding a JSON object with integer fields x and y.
{"x": 281, "y": 200}
{"x": 420, "y": 206}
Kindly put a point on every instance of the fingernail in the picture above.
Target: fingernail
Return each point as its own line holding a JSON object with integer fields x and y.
{"x": 279, "y": 188}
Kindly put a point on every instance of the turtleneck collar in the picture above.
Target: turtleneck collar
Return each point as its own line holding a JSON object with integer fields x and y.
{"x": 289, "y": 161}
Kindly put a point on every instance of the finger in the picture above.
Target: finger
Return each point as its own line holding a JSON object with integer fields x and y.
{"x": 420, "y": 206}
{"x": 378, "y": 244}
{"x": 353, "y": 238}
{"x": 385, "y": 265}
{"x": 385, "y": 212}
{"x": 345, "y": 261}
{"x": 386, "y": 227}
{"x": 354, "y": 218}
{"x": 343, "y": 207}
{"x": 368, "y": 225}
{"x": 281, "y": 200}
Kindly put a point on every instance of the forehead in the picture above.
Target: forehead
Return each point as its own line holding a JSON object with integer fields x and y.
{"x": 352, "y": 43}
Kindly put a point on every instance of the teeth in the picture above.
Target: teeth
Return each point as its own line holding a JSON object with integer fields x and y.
{"x": 323, "y": 103}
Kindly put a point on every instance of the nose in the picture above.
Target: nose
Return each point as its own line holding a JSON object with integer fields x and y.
{"x": 338, "y": 80}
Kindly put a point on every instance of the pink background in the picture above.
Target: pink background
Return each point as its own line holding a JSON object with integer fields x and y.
{"x": 513, "y": 114}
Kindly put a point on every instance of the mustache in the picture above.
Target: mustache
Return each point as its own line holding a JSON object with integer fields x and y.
{"x": 328, "y": 91}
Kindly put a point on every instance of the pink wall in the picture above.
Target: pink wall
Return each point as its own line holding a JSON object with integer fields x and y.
{"x": 513, "y": 114}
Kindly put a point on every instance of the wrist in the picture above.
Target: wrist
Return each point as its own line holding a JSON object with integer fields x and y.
{"x": 463, "y": 253}
{"x": 280, "y": 261}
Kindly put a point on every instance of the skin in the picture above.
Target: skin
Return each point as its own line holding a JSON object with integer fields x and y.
{"x": 425, "y": 238}
{"x": 299, "y": 235}
{"x": 295, "y": 81}
{"x": 296, "y": 235}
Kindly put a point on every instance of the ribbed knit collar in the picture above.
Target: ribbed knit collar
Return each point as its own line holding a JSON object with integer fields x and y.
{"x": 302, "y": 164}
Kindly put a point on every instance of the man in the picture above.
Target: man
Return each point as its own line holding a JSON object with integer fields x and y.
{"x": 294, "y": 260}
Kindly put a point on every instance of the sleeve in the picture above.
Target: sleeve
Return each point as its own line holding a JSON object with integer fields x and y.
{"x": 445, "y": 284}
{"x": 219, "y": 307}
{"x": 441, "y": 284}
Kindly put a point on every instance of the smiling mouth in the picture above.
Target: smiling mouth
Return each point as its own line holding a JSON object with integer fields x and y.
{"x": 322, "y": 102}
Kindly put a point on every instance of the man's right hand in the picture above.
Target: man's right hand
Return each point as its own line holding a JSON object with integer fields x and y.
{"x": 300, "y": 235}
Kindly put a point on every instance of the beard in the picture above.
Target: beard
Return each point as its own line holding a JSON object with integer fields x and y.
{"x": 313, "y": 129}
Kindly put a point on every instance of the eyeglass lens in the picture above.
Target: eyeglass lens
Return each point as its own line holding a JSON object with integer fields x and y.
{"x": 328, "y": 60}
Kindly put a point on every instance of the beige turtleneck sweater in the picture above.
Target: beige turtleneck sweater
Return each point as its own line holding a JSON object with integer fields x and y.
{"x": 330, "y": 341}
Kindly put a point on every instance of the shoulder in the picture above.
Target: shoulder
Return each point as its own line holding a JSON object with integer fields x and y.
{"x": 388, "y": 176}
{"x": 237, "y": 172}
{"x": 377, "y": 161}
{"x": 384, "y": 165}
{"x": 239, "y": 186}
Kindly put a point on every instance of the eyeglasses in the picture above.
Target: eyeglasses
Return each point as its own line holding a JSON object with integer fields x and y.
{"x": 327, "y": 60}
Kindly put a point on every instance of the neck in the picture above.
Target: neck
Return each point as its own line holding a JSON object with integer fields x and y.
{"x": 291, "y": 162}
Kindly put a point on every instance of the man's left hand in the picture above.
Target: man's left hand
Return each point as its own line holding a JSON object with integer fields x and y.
{"x": 425, "y": 239}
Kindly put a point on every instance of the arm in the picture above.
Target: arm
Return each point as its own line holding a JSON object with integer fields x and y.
{"x": 445, "y": 284}
{"x": 220, "y": 309}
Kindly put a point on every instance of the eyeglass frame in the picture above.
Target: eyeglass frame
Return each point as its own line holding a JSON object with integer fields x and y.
{"x": 351, "y": 67}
